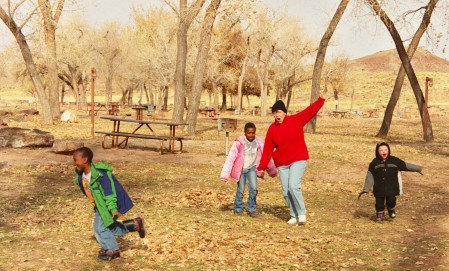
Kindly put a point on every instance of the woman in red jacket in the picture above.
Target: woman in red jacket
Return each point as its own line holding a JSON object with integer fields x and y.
{"x": 285, "y": 143}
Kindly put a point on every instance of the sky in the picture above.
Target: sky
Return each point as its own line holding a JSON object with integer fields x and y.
{"x": 355, "y": 36}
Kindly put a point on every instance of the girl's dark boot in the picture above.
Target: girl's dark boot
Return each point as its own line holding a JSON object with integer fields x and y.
{"x": 135, "y": 224}
{"x": 391, "y": 213}
{"x": 380, "y": 217}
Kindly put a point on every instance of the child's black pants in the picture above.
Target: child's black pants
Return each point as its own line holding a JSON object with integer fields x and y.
{"x": 380, "y": 203}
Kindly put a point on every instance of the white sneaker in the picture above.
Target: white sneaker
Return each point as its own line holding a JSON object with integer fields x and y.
{"x": 292, "y": 220}
{"x": 302, "y": 219}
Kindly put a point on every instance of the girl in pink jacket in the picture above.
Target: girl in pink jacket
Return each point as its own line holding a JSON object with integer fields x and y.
{"x": 240, "y": 165}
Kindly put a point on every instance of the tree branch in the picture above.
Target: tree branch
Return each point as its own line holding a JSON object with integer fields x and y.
{"x": 172, "y": 7}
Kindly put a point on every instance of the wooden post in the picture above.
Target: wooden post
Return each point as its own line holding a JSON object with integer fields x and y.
{"x": 92, "y": 103}
{"x": 429, "y": 82}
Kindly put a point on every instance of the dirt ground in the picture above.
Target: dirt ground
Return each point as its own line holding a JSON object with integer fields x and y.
{"x": 46, "y": 224}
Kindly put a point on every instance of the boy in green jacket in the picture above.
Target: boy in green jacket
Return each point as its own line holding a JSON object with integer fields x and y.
{"x": 109, "y": 199}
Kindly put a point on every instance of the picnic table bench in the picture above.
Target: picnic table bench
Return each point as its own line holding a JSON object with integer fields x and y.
{"x": 115, "y": 134}
{"x": 339, "y": 114}
{"x": 210, "y": 112}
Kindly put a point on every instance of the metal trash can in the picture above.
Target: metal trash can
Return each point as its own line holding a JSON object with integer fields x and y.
{"x": 227, "y": 125}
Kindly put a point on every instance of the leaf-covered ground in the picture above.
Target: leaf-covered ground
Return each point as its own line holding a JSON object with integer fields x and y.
{"x": 46, "y": 224}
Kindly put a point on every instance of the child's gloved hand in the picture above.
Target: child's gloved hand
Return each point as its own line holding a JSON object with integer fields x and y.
{"x": 116, "y": 215}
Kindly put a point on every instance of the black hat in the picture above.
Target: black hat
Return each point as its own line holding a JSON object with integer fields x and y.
{"x": 279, "y": 105}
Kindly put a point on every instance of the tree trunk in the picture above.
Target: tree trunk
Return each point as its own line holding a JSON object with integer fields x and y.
{"x": 240, "y": 84}
{"x": 52, "y": 79}
{"x": 263, "y": 79}
{"x": 289, "y": 96}
{"x": 62, "y": 93}
{"x": 50, "y": 23}
{"x": 82, "y": 94}
{"x": 108, "y": 91}
{"x": 165, "y": 105}
{"x": 200, "y": 66}
{"x": 186, "y": 17}
{"x": 388, "y": 116}
{"x": 30, "y": 65}
{"x": 425, "y": 119}
{"x": 124, "y": 95}
{"x": 319, "y": 61}
{"x": 223, "y": 104}
{"x": 160, "y": 98}
{"x": 130, "y": 96}
{"x": 242, "y": 75}
{"x": 215, "y": 90}
{"x": 286, "y": 86}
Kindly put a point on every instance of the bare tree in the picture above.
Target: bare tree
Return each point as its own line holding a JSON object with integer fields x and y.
{"x": 186, "y": 16}
{"x": 201, "y": 63}
{"x": 154, "y": 47}
{"x": 108, "y": 46}
{"x": 50, "y": 19}
{"x": 336, "y": 76}
{"x": 262, "y": 69}
{"x": 319, "y": 61}
{"x": 16, "y": 30}
{"x": 242, "y": 75}
{"x": 388, "y": 116}
{"x": 75, "y": 62}
{"x": 425, "y": 119}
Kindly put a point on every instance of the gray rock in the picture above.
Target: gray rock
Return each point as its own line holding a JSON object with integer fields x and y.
{"x": 18, "y": 138}
{"x": 66, "y": 147}
{"x": 68, "y": 116}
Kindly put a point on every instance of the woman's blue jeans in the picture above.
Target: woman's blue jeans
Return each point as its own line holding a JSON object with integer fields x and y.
{"x": 291, "y": 180}
{"x": 251, "y": 176}
{"x": 106, "y": 235}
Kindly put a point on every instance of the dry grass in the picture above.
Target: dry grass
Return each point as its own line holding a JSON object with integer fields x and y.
{"x": 46, "y": 224}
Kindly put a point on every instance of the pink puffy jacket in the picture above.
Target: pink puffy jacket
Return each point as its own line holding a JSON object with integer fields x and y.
{"x": 233, "y": 165}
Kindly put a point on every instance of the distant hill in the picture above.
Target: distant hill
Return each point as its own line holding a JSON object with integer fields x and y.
{"x": 389, "y": 60}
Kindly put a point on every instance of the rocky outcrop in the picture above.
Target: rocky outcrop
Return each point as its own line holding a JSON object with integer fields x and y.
{"x": 18, "y": 138}
{"x": 66, "y": 147}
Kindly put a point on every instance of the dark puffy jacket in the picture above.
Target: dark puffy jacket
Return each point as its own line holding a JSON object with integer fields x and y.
{"x": 382, "y": 176}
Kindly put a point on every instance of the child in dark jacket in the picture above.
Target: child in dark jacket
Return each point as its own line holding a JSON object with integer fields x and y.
{"x": 109, "y": 199}
{"x": 382, "y": 177}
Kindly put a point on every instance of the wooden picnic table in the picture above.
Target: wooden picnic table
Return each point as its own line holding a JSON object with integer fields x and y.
{"x": 116, "y": 133}
{"x": 370, "y": 113}
{"x": 338, "y": 114}
{"x": 139, "y": 111}
{"x": 114, "y": 109}
{"x": 96, "y": 108}
{"x": 208, "y": 112}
